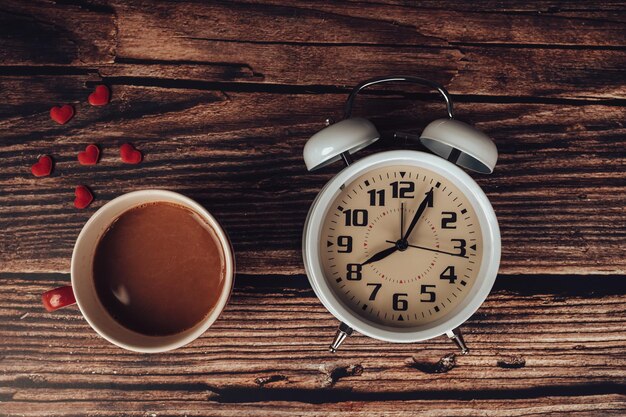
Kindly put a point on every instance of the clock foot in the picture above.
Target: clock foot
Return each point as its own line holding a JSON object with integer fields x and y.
{"x": 456, "y": 336}
{"x": 343, "y": 332}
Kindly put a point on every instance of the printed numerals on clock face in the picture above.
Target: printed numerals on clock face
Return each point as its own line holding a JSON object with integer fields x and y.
{"x": 401, "y": 246}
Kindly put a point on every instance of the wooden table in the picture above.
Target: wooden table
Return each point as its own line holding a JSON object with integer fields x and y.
{"x": 221, "y": 99}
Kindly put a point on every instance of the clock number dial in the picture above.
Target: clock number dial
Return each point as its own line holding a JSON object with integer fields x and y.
{"x": 400, "y": 304}
{"x": 345, "y": 244}
{"x": 377, "y": 197}
{"x": 402, "y": 189}
{"x": 353, "y": 272}
{"x": 449, "y": 274}
{"x": 374, "y": 291}
{"x": 416, "y": 281}
{"x": 460, "y": 246}
{"x": 448, "y": 221}
{"x": 430, "y": 200}
{"x": 358, "y": 217}
{"x": 430, "y": 296}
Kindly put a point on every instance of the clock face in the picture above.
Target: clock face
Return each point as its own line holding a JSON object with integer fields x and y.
{"x": 401, "y": 246}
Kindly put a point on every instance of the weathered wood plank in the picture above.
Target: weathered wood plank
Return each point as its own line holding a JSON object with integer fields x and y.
{"x": 47, "y": 32}
{"x": 558, "y": 188}
{"x": 87, "y": 32}
{"x": 505, "y": 74}
{"x": 554, "y": 406}
{"x": 292, "y": 40}
{"x": 530, "y": 339}
{"x": 501, "y": 72}
{"x": 374, "y": 23}
{"x": 407, "y": 23}
{"x": 551, "y": 7}
{"x": 214, "y": 42}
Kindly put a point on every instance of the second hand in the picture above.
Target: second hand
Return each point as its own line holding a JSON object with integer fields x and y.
{"x": 432, "y": 250}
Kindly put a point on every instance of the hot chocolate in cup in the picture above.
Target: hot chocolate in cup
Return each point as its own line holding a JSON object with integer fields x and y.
{"x": 151, "y": 271}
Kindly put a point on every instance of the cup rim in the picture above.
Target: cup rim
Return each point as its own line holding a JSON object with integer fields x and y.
{"x": 229, "y": 260}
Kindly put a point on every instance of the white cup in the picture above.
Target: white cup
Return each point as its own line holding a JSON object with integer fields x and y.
{"x": 83, "y": 290}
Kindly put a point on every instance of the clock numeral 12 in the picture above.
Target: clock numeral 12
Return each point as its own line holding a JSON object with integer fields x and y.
{"x": 402, "y": 189}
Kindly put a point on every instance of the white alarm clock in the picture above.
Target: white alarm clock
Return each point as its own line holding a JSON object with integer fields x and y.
{"x": 401, "y": 246}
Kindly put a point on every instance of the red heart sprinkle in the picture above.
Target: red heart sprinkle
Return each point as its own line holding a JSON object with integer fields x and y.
{"x": 129, "y": 154}
{"x": 58, "y": 297}
{"x": 62, "y": 114}
{"x": 100, "y": 96}
{"x": 83, "y": 197}
{"x": 43, "y": 167}
{"x": 89, "y": 156}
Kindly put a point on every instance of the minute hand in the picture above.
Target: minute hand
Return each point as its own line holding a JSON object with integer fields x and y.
{"x": 420, "y": 210}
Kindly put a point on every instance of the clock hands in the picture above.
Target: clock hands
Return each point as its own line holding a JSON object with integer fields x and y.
{"x": 400, "y": 246}
{"x": 382, "y": 254}
{"x": 401, "y": 219}
{"x": 420, "y": 210}
{"x": 430, "y": 249}
{"x": 402, "y": 243}
{"x": 397, "y": 245}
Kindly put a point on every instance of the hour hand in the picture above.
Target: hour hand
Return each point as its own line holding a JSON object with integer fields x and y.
{"x": 381, "y": 255}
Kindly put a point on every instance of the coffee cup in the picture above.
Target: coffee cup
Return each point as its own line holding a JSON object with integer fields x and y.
{"x": 84, "y": 292}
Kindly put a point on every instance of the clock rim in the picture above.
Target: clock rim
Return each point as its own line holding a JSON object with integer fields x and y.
{"x": 485, "y": 277}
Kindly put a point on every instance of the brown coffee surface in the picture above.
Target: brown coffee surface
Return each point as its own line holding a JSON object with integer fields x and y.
{"x": 159, "y": 269}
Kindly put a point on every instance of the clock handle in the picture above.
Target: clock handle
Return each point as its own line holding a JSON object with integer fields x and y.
{"x": 342, "y": 332}
{"x": 347, "y": 112}
{"x": 456, "y": 336}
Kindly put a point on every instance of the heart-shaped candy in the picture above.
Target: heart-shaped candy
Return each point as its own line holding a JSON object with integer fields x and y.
{"x": 83, "y": 197}
{"x": 62, "y": 114}
{"x": 43, "y": 167}
{"x": 100, "y": 96}
{"x": 58, "y": 297}
{"x": 89, "y": 156}
{"x": 129, "y": 154}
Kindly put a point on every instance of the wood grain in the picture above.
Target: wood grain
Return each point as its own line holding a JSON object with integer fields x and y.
{"x": 270, "y": 344}
{"x": 221, "y": 97}
{"x": 410, "y": 23}
{"x": 604, "y": 405}
{"x": 282, "y": 49}
{"x": 46, "y": 32}
{"x": 208, "y": 42}
{"x": 556, "y": 190}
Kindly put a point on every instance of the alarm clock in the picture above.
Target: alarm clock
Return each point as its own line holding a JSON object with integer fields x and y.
{"x": 402, "y": 245}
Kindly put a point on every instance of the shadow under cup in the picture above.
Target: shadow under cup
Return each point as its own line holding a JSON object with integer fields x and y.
{"x": 83, "y": 284}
